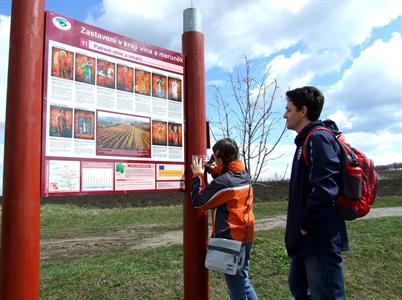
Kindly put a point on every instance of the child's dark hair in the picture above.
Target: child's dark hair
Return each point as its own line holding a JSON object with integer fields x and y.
{"x": 310, "y": 97}
{"x": 227, "y": 150}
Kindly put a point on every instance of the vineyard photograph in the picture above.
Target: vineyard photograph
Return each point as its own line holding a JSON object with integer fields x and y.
{"x": 123, "y": 135}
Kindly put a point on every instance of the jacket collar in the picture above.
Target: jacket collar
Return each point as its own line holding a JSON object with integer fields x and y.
{"x": 303, "y": 133}
{"x": 326, "y": 123}
{"x": 236, "y": 166}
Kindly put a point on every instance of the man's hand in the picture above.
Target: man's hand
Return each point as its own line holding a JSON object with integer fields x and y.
{"x": 196, "y": 165}
{"x": 303, "y": 232}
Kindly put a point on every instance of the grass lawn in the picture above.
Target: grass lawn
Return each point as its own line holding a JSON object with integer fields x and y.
{"x": 389, "y": 201}
{"x": 69, "y": 220}
{"x": 372, "y": 268}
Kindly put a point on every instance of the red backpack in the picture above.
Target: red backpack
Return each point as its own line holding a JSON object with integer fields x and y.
{"x": 358, "y": 186}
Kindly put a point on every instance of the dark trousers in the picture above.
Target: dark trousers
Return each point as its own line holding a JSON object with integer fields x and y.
{"x": 317, "y": 277}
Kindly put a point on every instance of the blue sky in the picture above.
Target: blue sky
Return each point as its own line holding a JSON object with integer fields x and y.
{"x": 352, "y": 50}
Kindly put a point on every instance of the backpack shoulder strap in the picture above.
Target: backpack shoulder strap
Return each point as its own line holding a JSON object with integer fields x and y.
{"x": 307, "y": 140}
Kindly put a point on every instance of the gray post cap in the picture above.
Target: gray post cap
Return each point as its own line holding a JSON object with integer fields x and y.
{"x": 191, "y": 20}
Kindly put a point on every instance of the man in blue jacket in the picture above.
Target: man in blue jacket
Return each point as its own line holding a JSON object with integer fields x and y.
{"x": 315, "y": 231}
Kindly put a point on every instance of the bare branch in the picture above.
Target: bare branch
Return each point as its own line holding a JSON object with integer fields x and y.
{"x": 247, "y": 116}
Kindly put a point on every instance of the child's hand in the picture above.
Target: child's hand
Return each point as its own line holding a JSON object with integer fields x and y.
{"x": 211, "y": 166}
{"x": 196, "y": 165}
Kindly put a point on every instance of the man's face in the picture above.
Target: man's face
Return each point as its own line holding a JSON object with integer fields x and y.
{"x": 294, "y": 117}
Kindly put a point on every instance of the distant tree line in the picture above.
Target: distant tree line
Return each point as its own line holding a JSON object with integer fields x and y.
{"x": 390, "y": 167}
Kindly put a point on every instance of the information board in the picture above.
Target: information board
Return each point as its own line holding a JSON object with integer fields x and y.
{"x": 113, "y": 112}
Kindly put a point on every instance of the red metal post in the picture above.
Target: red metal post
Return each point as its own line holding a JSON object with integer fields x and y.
{"x": 195, "y": 223}
{"x": 20, "y": 228}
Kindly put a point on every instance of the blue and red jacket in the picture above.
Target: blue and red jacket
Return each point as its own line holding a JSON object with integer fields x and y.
{"x": 313, "y": 190}
{"x": 230, "y": 196}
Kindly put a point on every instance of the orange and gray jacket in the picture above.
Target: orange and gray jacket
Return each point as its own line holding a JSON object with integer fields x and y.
{"x": 230, "y": 196}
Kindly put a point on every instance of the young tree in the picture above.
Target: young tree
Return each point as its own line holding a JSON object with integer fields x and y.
{"x": 247, "y": 116}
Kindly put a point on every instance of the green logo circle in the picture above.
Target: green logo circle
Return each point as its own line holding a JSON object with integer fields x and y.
{"x": 61, "y": 23}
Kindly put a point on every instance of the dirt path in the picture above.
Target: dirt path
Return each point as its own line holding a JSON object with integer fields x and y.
{"x": 140, "y": 238}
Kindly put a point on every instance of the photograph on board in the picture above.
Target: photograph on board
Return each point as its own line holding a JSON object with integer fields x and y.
{"x": 60, "y": 121}
{"x": 125, "y": 78}
{"x": 105, "y": 76}
{"x": 175, "y": 134}
{"x": 158, "y": 85}
{"x": 123, "y": 135}
{"x": 159, "y": 133}
{"x": 62, "y": 63}
{"x": 142, "y": 82}
{"x": 84, "y": 68}
{"x": 84, "y": 124}
{"x": 174, "y": 89}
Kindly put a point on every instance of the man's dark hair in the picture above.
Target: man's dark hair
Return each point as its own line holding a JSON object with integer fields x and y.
{"x": 228, "y": 150}
{"x": 310, "y": 97}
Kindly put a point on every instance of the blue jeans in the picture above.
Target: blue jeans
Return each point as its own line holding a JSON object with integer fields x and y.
{"x": 239, "y": 285}
{"x": 317, "y": 277}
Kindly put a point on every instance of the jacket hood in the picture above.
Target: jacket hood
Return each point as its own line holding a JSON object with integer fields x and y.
{"x": 319, "y": 123}
{"x": 331, "y": 125}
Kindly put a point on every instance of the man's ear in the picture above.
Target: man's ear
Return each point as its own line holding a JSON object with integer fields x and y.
{"x": 304, "y": 110}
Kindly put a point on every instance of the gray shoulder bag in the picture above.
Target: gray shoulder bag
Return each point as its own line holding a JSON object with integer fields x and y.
{"x": 226, "y": 256}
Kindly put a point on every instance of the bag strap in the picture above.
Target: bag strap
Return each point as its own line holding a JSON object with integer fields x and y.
{"x": 307, "y": 140}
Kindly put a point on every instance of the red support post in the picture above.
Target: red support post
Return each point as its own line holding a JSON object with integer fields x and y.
{"x": 20, "y": 228}
{"x": 195, "y": 223}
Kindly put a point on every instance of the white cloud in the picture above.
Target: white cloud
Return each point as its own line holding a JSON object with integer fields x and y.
{"x": 370, "y": 91}
{"x": 4, "y": 45}
{"x": 279, "y": 162}
{"x": 282, "y": 67}
{"x": 325, "y": 29}
{"x": 216, "y": 82}
{"x": 156, "y": 22}
{"x": 342, "y": 119}
{"x": 1, "y": 165}
{"x": 382, "y": 147}
{"x": 294, "y": 6}
{"x": 305, "y": 39}
{"x": 280, "y": 166}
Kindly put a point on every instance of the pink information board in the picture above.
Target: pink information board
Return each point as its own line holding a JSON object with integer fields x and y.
{"x": 113, "y": 113}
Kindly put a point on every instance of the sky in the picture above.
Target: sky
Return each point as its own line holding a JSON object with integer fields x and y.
{"x": 351, "y": 50}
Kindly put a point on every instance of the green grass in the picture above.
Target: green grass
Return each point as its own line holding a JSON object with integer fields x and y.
{"x": 372, "y": 269}
{"x": 153, "y": 274}
{"x": 269, "y": 209}
{"x": 70, "y": 220}
{"x": 374, "y": 264}
{"x": 64, "y": 220}
{"x": 388, "y": 201}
